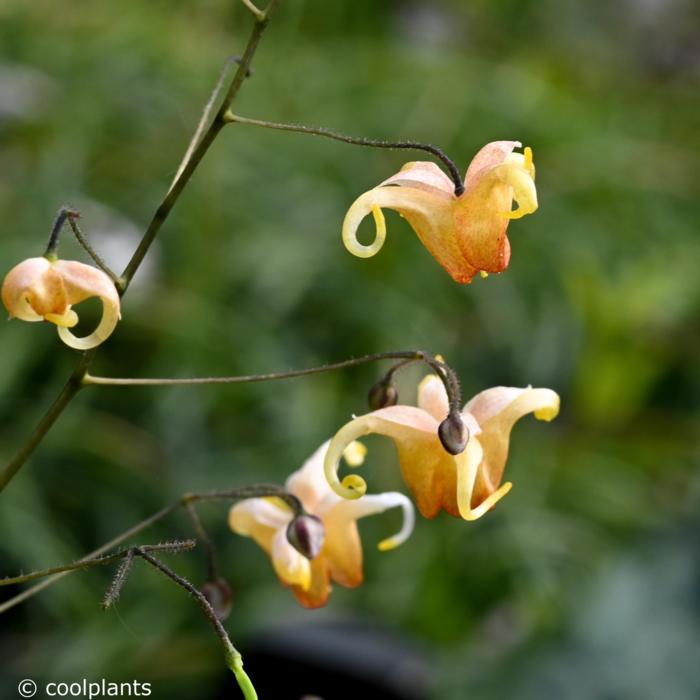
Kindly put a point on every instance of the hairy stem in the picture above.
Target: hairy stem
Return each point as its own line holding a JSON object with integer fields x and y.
{"x": 203, "y": 537}
{"x": 171, "y": 547}
{"x": 63, "y": 214}
{"x": 232, "y": 118}
{"x": 234, "y": 660}
{"x": 243, "y": 492}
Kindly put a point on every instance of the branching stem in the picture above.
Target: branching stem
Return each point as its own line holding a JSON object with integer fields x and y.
{"x": 75, "y": 381}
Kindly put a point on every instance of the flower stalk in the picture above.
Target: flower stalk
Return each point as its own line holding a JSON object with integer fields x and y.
{"x": 232, "y": 118}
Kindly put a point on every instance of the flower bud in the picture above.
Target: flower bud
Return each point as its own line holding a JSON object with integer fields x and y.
{"x": 219, "y": 595}
{"x": 305, "y": 533}
{"x": 453, "y": 434}
{"x": 381, "y": 395}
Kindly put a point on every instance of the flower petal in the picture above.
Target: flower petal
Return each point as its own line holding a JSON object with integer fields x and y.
{"x": 316, "y": 595}
{"x": 107, "y": 324}
{"x": 33, "y": 289}
{"x": 308, "y": 483}
{"x": 491, "y": 155}
{"x": 495, "y": 177}
{"x": 423, "y": 175}
{"x": 497, "y": 410}
{"x": 427, "y": 469}
{"x": 432, "y": 397}
{"x": 293, "y": 568}
{"x": 82, "y": 282}
{"x": 468, "y": 469}
{"x": 258, "y": 518}
{"x": 481, "y": 221}
{"x": 429, "y": 212}
{"x": 350, "y": 511}
{"x": 342, "y": 547}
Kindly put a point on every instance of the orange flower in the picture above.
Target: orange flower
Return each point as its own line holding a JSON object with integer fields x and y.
{"x": 467, "y": 484}
{"x": 40, "y": 289}
{"x": 266, "y": 520}
{"x": 466, "y": 234}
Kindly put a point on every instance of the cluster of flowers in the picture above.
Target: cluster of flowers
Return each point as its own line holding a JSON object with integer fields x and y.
{"x": 466, "y": 233}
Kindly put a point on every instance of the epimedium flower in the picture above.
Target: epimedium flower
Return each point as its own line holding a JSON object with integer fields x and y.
{"x": 466, "y": 485}
{"x": 339, "y": 557}
{"x": 465, "y": 233}
{"x": 46, "y": 289}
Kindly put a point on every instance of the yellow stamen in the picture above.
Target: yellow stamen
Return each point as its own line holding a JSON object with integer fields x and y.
{"x": 483, "y": 274}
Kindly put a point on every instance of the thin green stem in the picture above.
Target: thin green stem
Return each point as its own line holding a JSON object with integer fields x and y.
{"x": 75, "y": 381}
{"x": 70, "y": 389}
{"x": 72, "y": 216}
{"x": 232, "y": 118}
{"x": 198, "y": 152}
{"x": 409, "y": 355}
{"x": 446, "y": 374}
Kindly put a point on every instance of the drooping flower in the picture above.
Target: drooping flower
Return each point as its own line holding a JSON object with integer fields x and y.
{"x": 467, "y": 484}
{"x": 41, "y": 289}
{"x": 267, "y": 521}
{"x": 466, "y": 234}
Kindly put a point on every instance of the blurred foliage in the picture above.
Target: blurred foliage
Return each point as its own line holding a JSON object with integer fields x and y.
{"x": 583, "y": 583}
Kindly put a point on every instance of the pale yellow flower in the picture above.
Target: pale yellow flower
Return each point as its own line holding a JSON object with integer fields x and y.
{"x": 340, "y": 558}
{"x": 40, "y": 289}
{"x": 466, "y": 234}
{"x": 467, "y": 484}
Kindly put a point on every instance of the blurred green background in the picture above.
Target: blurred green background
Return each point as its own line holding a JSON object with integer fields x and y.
{"x": 584, "y": 582}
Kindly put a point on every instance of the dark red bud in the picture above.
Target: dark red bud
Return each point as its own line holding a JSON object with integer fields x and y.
{"x": 220, "y": 596}
{"x": 381, "y": 395}
{"x": 305, "y": 533}
{"x": 453, "y": 434}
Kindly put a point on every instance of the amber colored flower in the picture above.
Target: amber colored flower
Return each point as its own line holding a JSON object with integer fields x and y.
{"x": 466, "y": 234}
{"x": 340, "y": 558}
{"x": 467, "y": 484}
{"x": 40, "y": 289}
